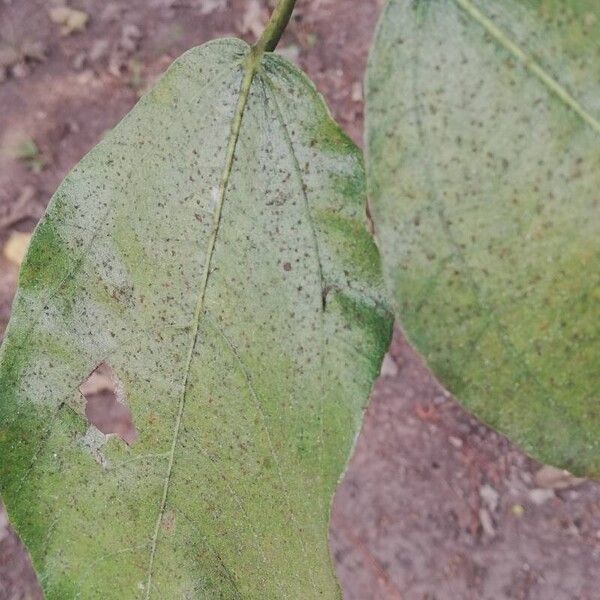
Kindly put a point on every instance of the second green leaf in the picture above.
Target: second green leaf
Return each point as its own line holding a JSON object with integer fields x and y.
{"x": 483, "y": 125}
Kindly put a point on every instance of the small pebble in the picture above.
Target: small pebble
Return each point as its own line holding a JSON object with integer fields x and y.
{"x": 489, "y": 496}
{"x": 540, "y": 496}
{"x": 20, "y": 70}
{"x": 486, "y": 523}
{"x": 456, "y": 442}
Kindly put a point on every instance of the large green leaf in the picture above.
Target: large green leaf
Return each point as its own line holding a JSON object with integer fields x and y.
{"x": 212, "y": 251}
{"x": 484, "y": 173}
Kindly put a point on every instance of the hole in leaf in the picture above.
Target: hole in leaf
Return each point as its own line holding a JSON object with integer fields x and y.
{"x": 105, "y": 407}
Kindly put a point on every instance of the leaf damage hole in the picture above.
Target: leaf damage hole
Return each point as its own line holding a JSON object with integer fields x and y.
{"x": 105, "y": 406}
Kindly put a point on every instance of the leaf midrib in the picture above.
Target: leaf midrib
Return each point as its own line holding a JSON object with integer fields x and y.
{"x": 251, "y": 63}
{"x": 533, "y": 67}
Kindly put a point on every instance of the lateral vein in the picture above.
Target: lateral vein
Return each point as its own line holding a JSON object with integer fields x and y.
{"x": 528, "y": 62}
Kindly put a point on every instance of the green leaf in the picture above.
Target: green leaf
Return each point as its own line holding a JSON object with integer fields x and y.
{"x": 212, "y": 251}
{"x": 484, "y": 171}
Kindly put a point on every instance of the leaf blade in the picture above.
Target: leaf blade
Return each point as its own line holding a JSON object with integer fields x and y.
{"x": 482, "y": 175}
{"x": 227, "y": 490}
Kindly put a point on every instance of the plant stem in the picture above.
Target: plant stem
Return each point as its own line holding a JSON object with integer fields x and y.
{"x": 275, "y": 27}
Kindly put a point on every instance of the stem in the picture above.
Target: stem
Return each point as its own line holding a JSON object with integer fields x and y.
{"x": 275, "y": 27}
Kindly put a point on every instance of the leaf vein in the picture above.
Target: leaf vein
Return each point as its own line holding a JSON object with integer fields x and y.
{"x": 249, "y": 71}
{"x": 248, "y": 379}
{"x": 533, "y": 67}
{"x": 315, "y": 240}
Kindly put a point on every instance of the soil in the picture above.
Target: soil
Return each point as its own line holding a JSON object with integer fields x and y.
{"x": 434, "y": 505}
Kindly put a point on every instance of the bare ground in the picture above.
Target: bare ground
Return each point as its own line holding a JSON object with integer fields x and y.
{"x": 434, "y": 505}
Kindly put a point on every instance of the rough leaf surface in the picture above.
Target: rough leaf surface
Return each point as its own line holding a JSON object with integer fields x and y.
{"x": 212, "y": 252}
{"x": 484, "y": 166}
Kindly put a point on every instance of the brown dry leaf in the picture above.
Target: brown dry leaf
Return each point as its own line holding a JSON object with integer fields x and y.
{"x": 291, "y": 52}
{"x": 72, "y": 20}
{"x": 16, "y": 246}
{"x": 557, "y": 479}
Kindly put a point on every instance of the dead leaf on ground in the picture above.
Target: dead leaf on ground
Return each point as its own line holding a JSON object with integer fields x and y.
{"x": 557, "y": 479}
{"x": 72, "y": 20}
